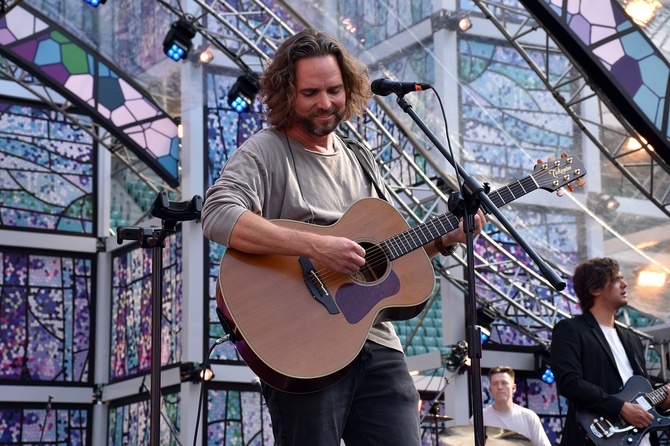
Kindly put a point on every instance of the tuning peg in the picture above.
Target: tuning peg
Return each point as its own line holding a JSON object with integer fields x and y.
{"x": 571, "y": 188}
{"x": 581, "y": 182}
{"x": 551, "y": 158}
{"x": 564, "y": 155}
{"x": 539, "y": 161}
{"x": 560, "y": 192}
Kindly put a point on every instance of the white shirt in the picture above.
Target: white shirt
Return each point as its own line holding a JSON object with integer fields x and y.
{"x": 622, "y": 363}
{"x": 520, "y": 420}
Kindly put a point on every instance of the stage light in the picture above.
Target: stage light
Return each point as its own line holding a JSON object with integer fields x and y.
{"x": 485, "y": 317}
{"x": 543, "y": 366}
{"x": 195, "y": 372}
{"x": 651, "y": 278}
{"x": 243, "y": 92}
{"x": 177, "y": 42}
{"x": 465, "y": 24}
{"x": 459, "y": 21}
{"x": 607, "y": 203}
{"x": 95, "y": 3}
{"x": 206, "y": 56}
{"x": 642, "y": 11}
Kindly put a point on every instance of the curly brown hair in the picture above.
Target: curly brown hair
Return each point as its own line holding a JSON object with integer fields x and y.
{"x": 278, "y": 80}
{"x": 592, "y": 275}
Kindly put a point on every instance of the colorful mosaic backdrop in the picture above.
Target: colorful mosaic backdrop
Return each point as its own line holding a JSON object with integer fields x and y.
{"x": 131, "y": 309}
{"x": 226, "y": 130}
{"x": 238, "y": 417}
{"x": 509, "y": 119}
{"x": 130, "y": 421}
{"x": 60, "y": 426}
{"x": 92, "y": 83}
{"x": 47, "y": 175}
{"x": 46, "y": 313}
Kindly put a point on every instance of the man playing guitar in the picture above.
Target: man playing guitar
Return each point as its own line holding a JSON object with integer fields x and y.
{"x": 593, "y": 359}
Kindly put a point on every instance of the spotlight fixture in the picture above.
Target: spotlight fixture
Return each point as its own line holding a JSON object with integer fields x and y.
{"x": 485, "y": 317}
{"x": 177, "y": 42}
{"x": 459, "y": 21}
{"x": 195, "y": 372}
{"x": 642, "y": 11}
{"x": 243, "y": 92}
{"x": 543, "y": 366}
{"x": 649, "y": 278}
{"x": 608, "y": 203}
{"x": 95, "y": 3}
{"x": 206, "y": 56}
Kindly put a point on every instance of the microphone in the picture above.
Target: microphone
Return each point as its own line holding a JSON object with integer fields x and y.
{"x": 384, "y": 87}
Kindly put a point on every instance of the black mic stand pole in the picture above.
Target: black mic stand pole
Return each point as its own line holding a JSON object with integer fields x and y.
{"x": 474, "y": 194}
{"x": 154, "y": 238}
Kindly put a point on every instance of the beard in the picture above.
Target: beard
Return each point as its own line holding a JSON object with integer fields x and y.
{"x": 309, "y": 124}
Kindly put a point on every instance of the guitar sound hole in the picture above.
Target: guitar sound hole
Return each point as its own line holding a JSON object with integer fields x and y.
{"x": 376, "y": 264}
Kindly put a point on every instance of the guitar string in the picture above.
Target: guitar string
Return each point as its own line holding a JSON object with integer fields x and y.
{"x": 328, "y": 276}
{"x": 412, "y": 233}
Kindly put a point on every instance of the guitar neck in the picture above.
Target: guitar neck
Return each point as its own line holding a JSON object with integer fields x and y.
{"x": 419, "y": 235}
{"x": 657, "y": 396}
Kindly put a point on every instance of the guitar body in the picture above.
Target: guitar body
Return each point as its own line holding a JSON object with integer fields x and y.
{"x": 618, "y": 432}
{"x": 290, "y": 339}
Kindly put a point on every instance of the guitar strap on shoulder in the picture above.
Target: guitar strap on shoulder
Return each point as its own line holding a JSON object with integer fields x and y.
{"x": 356, "y": 147}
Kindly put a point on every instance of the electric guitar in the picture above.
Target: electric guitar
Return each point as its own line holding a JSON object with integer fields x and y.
{"x": 604, "y": 432}
{"x": 299, "y": 326}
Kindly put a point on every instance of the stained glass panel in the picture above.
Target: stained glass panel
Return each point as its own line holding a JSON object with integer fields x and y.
{"x": 509, "y": 119}
{"x": 57, "y": 426}
{"x": 130, "y": 421}
{"x": 221, "y": 142}
{"x": 46, "y": 310}
{"x": 238, "y": 417}
{"x": 46, "y": 171}
{"x": 131, "y": 309}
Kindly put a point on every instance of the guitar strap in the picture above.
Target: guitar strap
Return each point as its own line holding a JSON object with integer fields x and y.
{"x": 357, "y": 147}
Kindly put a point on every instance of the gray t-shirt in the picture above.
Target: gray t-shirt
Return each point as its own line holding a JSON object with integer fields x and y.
{"x": 276, "y": 177}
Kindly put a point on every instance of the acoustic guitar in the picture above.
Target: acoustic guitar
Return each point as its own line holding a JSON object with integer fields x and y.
{"x": 299, "y": 326}
{"x": 604, "y": 432}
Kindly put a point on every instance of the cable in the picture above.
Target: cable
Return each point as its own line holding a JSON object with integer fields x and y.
{"x": 205, "y": 364}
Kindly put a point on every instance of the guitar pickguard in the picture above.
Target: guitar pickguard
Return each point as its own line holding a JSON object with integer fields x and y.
{"x": 356, "y": 301}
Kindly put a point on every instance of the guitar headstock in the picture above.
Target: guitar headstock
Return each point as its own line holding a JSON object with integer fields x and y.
{"x": 555, "y": 173}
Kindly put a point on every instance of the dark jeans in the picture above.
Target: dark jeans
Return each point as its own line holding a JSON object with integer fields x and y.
{"x": 376, "y": 403}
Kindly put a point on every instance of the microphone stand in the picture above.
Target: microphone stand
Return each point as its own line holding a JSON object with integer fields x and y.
{"x": 153, "y": 237}
{"x": 474, "y": 194}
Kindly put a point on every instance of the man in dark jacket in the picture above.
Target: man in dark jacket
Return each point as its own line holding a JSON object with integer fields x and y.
{"x": 592, "y": 358}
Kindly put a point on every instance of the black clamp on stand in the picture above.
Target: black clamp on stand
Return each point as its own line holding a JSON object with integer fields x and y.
{"x": 153, "y": 237}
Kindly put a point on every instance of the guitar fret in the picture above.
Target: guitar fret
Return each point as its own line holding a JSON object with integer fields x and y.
{"x": 415, "y": 237}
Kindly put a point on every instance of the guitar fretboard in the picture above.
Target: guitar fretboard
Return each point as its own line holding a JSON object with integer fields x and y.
{"x": 419, "y": 235}
{"x": 657, "y": 396}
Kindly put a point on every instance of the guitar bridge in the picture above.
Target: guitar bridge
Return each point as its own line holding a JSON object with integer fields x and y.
{"x": 602, "y": 428}
{"x": 316, "y": 286}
